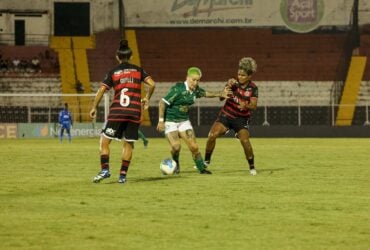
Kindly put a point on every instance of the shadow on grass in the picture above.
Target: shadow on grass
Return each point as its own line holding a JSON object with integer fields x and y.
{"x": 159, "y": 178}
{"x": 149, "y": 179}
{"x": 271, "y": 170}
{"x": 266, "y": 171}
{"x": 259, "y": 171}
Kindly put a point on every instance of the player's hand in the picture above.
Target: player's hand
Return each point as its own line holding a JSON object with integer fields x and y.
{"x": 145, "y": 103}
{"x": 92, "y": 113}
{"x": 226, "y": 93}
{"x": 231, "y": 82}
{"x": 160, "y": 126}
{"x": 243, "y": 105}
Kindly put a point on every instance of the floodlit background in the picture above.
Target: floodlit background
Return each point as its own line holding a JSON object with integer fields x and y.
{"x": 310, "y": 132}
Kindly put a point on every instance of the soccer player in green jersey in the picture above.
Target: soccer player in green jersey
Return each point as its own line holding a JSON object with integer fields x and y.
{"x": 174, "y": 116}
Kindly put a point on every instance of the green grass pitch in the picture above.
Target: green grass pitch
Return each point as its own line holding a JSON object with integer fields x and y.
{"x": 309, "y": 194}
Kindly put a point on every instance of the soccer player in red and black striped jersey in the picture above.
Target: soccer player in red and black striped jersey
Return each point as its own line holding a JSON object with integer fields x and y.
{"x": 125, "y": 111}
{"x": 236, "y": 112}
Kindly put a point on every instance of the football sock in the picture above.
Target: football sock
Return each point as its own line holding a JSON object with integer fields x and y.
{"x": 124, "y": 167}
{"x": 142, "y": 136}
{"x": 175, "y": 157}
{"x": 251, "y": 163}
{"x": 199, "y": 162}
{"x": 207, "y": 157}
{"x": 104, "y": 162}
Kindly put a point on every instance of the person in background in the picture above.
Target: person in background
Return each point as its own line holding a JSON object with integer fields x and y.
{"x": 174, "y": 116}
{"x": 4, "y": 67}
{"x": 237, "y": 111}
{"x": 143, "y": 138}
{"x": 35, "y": 63}
{"x": 15, "y": 65}
{"x": 65, "y": 122}
{"x": 125, "y": 111}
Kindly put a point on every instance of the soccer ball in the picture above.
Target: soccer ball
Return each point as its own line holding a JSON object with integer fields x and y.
{"x": 168, "y": 166}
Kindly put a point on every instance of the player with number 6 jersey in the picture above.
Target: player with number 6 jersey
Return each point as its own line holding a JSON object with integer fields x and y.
{"x": 125, "y": 111}
{"x": 126, "y": 81}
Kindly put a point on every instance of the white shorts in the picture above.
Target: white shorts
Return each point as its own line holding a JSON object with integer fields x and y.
{"x": 177, "y": 126}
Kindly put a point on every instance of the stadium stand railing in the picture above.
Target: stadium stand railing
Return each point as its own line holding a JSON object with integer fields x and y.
{"x": 295, "y": 75}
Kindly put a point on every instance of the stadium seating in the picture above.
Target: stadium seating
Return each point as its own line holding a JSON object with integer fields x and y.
{"x": 26, "y": 108}
{"x": 292, "y": 68}
{"x": 102, "y": 58}
{"x": 47, "y": 57}
{"x": 310, "y": 57}
{"x": 365, "y": 51}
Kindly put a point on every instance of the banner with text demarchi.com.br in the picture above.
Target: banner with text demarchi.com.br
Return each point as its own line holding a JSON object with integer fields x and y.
{"x": 298, "y": 15}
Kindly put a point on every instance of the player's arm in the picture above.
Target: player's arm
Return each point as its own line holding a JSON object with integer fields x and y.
{"x": 97, "y": 99}
{"x": 161, "y": 111}
{"x": 151, "y": 86}
{"x": 225, "y": 93}
{"x": 252, "y": 104}
{"x": 228, "y": 87}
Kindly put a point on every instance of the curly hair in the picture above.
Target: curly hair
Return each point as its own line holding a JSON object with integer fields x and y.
{"x": 248, "y": 64}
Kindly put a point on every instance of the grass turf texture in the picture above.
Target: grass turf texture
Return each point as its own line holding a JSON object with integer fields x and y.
{"x": 309, "y": 194}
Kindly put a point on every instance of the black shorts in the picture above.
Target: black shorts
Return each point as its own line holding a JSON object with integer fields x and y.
{"x": 118, "y": 130}
{"x": 235, "y": 124}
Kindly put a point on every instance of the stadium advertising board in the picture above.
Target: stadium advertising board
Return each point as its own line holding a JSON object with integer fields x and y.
{"x": 8, "y": 130}
{"x": 298, "y": 15}
{"x": 44, "y": 130}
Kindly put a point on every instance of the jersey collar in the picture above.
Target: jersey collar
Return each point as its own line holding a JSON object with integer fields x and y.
{"x": 187, "y": 87}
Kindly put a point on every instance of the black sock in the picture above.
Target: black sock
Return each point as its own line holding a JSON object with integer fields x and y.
{"x": 104, "y": 162}
{"x": 207, "y": 157}
{"x": 124, "y": 168}
{"x": 175, "y": 157}
{"x": 251, "y": 163}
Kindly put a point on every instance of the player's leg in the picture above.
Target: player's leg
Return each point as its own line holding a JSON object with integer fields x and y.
{"x": 68, "y": 129}
{"x": 125, "y": 160}
{"x": 108, "y": 133}
{"x": 142, "y": 137}
{"x": 175, "y": 143}
{"x": 218, "y": 129}
{"x": 61, "y": 133}
{"x": 187, "y": 134}
{"x": 131, "y": 135}
{"x": 243, "y": 136}
{"x": 104, "y": 159}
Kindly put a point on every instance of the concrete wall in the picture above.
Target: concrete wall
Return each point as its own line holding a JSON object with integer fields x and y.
{"x": 104, "y": 15}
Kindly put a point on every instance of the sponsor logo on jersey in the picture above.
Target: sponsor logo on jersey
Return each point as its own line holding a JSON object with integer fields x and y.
{"x": 129, "y": 70}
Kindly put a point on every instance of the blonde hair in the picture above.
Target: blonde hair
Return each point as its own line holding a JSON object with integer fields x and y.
{"x": 248, "y": 64}
{"x": 194, "y": 71}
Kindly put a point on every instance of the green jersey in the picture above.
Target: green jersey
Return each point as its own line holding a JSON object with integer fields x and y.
{"x": 178, "y": 100}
